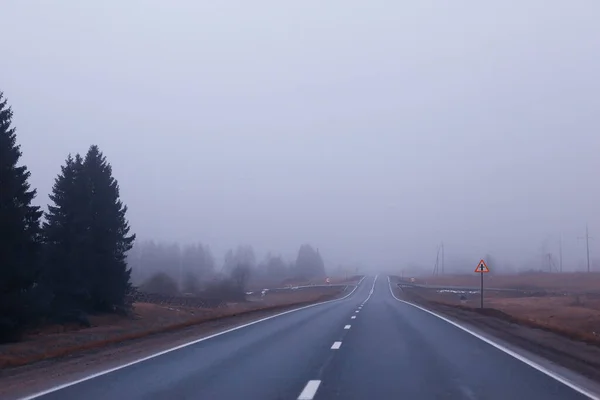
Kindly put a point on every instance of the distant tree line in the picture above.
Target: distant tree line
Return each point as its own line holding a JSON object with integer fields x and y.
{"x": 168, "y": 268}
{"x": 180, "y": 269}
{"x": 69, "y": 260}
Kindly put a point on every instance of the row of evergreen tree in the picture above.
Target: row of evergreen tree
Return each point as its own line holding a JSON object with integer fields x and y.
{"x": 70, "y": 259}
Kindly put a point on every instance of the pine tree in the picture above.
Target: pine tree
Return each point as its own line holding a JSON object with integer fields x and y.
{"x": 19, "y": 232}
{"x": 108, "y": 238}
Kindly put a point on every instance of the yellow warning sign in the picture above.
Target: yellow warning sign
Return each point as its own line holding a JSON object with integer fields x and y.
{"x": 482, "y": 267}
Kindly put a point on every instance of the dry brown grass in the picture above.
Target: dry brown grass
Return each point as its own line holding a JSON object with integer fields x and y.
{"x": 581, "y": 315}
{"x": 572, "y": 303}
{"x": 569, "y": 331}
{"x": 574, "y": 316}
{"x": 54, "y": 341}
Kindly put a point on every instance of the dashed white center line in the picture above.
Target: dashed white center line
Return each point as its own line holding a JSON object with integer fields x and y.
{"x": 309, "y": 390}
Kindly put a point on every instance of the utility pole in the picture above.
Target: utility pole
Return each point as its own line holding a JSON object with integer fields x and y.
{"x": 551, "y": 265}
{"x": 587, "y": 246}
{"x": 439, "y": 267}
{"x": 181, "y": 271}
{"x": 442, "y": 258}
{"x": 560, "y": 252}
{"x": 436, "y": 270}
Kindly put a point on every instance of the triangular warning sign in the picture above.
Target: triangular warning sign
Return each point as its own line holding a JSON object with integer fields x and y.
{"x": 482, "y": 267}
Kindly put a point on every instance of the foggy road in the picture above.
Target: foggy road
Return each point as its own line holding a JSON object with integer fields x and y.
{"x": 367, "y": 345}
{"x": 158, "y": 164}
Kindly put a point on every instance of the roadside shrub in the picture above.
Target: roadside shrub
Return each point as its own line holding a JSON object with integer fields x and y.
{"x": 160, "y": 283}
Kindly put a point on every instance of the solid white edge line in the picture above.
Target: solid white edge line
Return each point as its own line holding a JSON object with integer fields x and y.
{"x": 108, "y": 371}
{"x": 309, "y": 390}
{"x": 336, "y": 345}
{"x": 347, "y": 326}
{"x": 506, "y": 350}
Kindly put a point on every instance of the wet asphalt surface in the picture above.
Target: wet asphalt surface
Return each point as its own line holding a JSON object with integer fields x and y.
{"x": 389, "y": 350}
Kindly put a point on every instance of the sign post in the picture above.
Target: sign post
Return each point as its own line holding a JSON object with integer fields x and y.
{"x": 481, "y": 291}
{"x": 481, "y": 269}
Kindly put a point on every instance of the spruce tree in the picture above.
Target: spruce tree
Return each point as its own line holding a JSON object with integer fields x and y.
{"x": 19, "y": 232}
{"x": 66, "y": 238}
{"x": 309, "y": 263}
{"x": 108, "y": 238}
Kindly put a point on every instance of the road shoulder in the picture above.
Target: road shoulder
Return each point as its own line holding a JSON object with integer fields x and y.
{"x": 576, "y": 362}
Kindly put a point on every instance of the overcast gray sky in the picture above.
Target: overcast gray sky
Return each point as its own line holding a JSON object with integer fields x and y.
{"x": 371, "y": 129}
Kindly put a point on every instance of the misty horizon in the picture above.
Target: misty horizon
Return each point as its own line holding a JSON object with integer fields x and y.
{"x": 372, "y": 133}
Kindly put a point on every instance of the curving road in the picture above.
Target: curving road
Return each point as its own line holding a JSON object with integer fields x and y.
{"x": 365, "y": 346}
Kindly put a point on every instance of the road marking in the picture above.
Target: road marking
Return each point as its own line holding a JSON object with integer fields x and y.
{"x": 160, "y": 353}
{"x": 356, "y": 311}
{"x": 309, "y": 390}
{"x": 506, "y": 350}
{"x": 372, "y": 290}
{"x": 347, "y": 327}
{"x": 353, "y": 317}
{"x": 336, "y": 345}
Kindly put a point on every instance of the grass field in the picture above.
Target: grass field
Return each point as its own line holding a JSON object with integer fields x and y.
{"x": 568, "y": 302}
{"x": 574, "y": 282}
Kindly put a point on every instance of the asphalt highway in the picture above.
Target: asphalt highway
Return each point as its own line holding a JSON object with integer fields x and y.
{"x": 368, "y": 346}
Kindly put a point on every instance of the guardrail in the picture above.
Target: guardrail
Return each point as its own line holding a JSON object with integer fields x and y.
{"x": 286, "y": 289}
